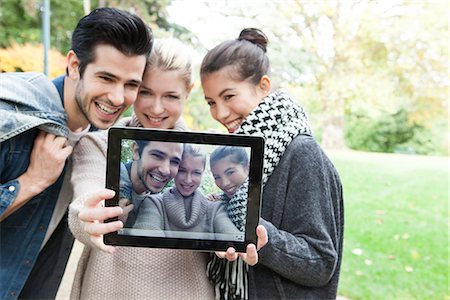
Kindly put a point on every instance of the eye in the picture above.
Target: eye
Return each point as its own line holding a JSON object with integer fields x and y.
{"x": 229, "y": 173}
{"x": 132, "y": 85}
{"x": 228, "y": 97}
{"x": 106, "y": 78}
{"x": 157, "y": 156}
{"x": 174, "y": 163}
{"x": 172, "y": 97}
{"x": 144, "y": 93}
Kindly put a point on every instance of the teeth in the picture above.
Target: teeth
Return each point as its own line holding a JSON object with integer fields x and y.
{"x": 232, "y": 126}
{"x": 158, "y": 178}
{"x": 155, "y": 119}
{"x": 230, "y": 190}
{"x": 107, "y": 110}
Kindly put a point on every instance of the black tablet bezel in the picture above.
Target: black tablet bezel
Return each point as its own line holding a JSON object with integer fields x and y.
{"x": 255, "y": 143}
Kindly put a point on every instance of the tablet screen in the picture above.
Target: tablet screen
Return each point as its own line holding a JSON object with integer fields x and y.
{"x": 187, "y": 190}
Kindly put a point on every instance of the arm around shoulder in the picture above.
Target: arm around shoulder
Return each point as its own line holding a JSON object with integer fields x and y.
{"x": 47, "y": 161}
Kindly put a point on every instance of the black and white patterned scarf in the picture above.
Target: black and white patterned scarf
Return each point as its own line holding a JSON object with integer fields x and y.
{"x": 279, "y": 120}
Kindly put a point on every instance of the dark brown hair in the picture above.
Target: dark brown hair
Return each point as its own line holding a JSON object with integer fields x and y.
{"x": 110, "y": 26}
{"x": 246, "y": 55}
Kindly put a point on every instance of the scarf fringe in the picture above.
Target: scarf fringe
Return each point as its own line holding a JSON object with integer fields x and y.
{"x": 229, "y": 278}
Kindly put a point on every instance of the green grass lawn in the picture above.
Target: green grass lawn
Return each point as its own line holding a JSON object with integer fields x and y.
{"x": 396, "y": 242}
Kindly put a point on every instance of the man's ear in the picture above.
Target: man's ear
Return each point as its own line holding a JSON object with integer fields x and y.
{"x": 264, "y": 84}
{"x": 135, "y": 148}
{"x": 73, "y": 64}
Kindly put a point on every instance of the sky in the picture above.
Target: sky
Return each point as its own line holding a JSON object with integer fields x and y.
{"x": 209, "y": 26}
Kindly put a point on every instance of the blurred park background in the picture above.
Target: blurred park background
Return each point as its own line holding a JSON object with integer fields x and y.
{"x": 374, "y": 79}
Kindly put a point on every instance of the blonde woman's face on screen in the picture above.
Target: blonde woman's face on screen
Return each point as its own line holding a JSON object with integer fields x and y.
{"x": 189, "y": 176}
{"x": 161, "y": 98}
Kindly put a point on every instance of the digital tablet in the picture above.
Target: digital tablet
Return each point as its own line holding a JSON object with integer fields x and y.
{"x": 188, "y": 190}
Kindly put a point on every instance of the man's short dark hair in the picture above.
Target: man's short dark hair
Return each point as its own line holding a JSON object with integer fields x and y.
{"x": 141, "y": 144}
{"x": 110, "y": 26}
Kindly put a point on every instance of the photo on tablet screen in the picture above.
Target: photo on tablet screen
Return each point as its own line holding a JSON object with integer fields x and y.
{"x": 185, "y": 190}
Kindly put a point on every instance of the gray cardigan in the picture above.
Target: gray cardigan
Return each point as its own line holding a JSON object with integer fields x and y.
{"x": 167, "y": 211}
{"x": 303, "y": 212}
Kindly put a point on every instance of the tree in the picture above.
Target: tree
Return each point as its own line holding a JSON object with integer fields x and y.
{"x": 345, "y": 58}
{"x": 21, "y": 20}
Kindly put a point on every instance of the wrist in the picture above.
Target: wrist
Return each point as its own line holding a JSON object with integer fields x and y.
{"x": 31, "y": 185}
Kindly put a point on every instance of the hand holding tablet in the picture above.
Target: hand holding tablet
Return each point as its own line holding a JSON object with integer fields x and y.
{"x": 251, "y": 254}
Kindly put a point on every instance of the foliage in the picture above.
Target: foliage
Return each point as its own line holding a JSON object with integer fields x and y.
{"x": 21, "y": 22}
{"x": 344, "y": 61}
{"x": 379, "y": 135}
{"x": 348, "y": 56}
{"x": 126, "y": 153}
{"x": 208, "y": 185}
{"x": 17, "y": 59}
{"x": 429, "y": 141}
{"x": 396, "y": 226}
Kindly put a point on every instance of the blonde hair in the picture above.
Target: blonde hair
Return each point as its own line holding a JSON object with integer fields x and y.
{"x": 170, "y": 54}
{"x": 194, "y": 151}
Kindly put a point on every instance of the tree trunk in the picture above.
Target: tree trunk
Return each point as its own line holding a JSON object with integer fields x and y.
{"x": 333, "y": 134}
{"x": 86, "y": 6}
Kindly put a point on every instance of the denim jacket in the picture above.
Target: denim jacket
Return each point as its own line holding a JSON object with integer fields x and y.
{"x": 28, "y": 102}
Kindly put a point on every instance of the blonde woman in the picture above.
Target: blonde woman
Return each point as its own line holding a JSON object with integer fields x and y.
{"x": 107, "y": 272}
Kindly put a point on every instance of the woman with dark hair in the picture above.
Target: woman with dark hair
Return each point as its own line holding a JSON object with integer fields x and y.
{"x": 302, "y": 205}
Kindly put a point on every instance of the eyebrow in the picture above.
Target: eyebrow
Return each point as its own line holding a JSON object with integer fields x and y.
{"x": 224, "y": 91}
{"x": 176, "y": 93}
{"x": 159, "y": 152}
{"x": 221, "y": 93}
{"x": 106, "y": 73}
{"x": 229, "y": 169}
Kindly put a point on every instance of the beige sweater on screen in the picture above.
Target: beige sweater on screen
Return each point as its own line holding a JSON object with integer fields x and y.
{"x": 129, "y": 273}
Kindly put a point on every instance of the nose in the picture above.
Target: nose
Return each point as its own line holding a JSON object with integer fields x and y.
{"x": 188, "y": 178}
{"x": 117, "y": 95}
{"x": 164, "y": 168}
{"x": 225, "y": 182}
{"x": 222, "y": 113}
{"x": 157, "y": 106}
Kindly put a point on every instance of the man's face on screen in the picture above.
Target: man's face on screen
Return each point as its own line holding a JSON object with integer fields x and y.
{"x": 155, "y": 166}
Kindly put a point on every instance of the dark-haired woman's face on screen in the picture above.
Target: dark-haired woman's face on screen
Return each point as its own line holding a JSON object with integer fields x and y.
{"x": 230, "y": 101}
{"x": 228, "y": 175}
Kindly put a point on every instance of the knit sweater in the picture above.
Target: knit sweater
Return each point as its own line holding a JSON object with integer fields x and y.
{"x": 168, "y": 211}
{"x": 303, "y": 212}
{"x": 129, "y": 273}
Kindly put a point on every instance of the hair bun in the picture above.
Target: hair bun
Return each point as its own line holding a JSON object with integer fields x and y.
{"x": 255, "y": 36}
